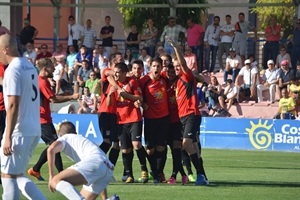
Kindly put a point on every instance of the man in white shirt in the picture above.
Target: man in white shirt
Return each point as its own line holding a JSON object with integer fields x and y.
{"x": 22, "y": 132}
{"x": 233, "y": 65}
{"x": 240, "y": 37}
{"x": 226, "y": 34}
{"x": 229, "y": 98}
{"x": 89, "y": 36}
{"x": 92, "y": 168}
{"x": 211, "y": 42}
{"x": 30, "y": 53}
{"x": 270, "y": 81}
{"x": 75, "y": 33}
{"x": 250, "y": 75}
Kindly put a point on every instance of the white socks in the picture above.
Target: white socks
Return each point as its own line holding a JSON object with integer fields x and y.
{"x": 68, "y": 190}
{"x": 10, "y": 189}
{"x": 29, "y": 189}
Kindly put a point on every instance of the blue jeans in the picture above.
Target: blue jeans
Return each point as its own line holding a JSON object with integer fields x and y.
{"x": 198, "y": 51}
{"x": 213, "y": 50}
{"x": 234, "y": 72}
{"x": 150, "y": 50}
{"x": 211, "y": 103}
{"x": 295, "y": 56}
{"x": 271, "y": 51}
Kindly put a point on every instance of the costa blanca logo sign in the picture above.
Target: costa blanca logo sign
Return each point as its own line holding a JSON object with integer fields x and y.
{"x": 259, "y": 134}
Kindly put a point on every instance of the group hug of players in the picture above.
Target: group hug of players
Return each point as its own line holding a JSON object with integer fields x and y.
{"x": 166, "y": 98}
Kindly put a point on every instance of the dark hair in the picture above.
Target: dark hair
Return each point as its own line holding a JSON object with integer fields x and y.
{"x": 71, "y": 17}
{"x": 251, "y": 56}
{"x": 157, "y": 59}
{"x": 229, "y": 81}
{"x": 228, "y": 16}
{"x": 86, "y": 61}
{"x": 241, "y": 13}
{"x": 0, "y": 23}
{"x": 107, "y": 17}
{"x": 138, "y": 62}
{"x": 122, "y": 66}
{"x": 67, "y": 127}
{"x": 171, "y": 66}
{"x": 216, "y": 17}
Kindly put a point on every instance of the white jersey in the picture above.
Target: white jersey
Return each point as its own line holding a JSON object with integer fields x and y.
{"x": 79, "y": 148}
{"x": 21, "y": 79}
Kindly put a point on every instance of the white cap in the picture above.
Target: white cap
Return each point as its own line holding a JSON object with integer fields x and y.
{"x": 270, "y": 62}
{"x": 247, "y": 61}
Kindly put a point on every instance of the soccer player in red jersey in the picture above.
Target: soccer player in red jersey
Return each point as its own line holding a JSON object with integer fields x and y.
{"x": 174, "y": 134}
{"x": 49, "y": 135}
{"x": 129, "y": 119}
{"x": 156, "y": 122}
{"x": 186, "y": 97}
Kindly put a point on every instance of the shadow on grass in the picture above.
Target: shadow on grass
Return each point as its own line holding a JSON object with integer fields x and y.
{"x": 262, "y": 167}
{"x": 253, "y": 183}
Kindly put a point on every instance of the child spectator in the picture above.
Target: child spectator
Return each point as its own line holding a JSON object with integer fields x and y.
{"x": 287, "y": 106}
{"x": 88, "y": 102}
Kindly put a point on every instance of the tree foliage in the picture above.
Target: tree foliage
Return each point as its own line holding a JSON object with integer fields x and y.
{"x": 285, "y": 15}
{"x": 139, "y": 16}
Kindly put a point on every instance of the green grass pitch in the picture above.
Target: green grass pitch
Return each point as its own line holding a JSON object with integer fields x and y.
{"x": 233, "y": 175}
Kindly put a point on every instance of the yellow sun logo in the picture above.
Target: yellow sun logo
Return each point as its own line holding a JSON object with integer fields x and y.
{"x": 259, "y": 134}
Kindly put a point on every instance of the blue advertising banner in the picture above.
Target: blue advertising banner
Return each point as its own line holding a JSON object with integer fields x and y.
{"x": 86, "y": 125}
{"x": 250, "y": 134}
{"x": 224, "y": 133}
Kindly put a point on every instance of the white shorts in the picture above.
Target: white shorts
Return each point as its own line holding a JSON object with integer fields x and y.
{"x": 240, "y": 47}
{"x": 23, "y": 148}
{"x": 97, "y": 173}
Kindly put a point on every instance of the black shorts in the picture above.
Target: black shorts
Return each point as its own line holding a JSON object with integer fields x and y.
{"x": 49, "y": 134}
{"x": 130, "y": 132}
{"x": 156, "y": 132}
{"x": 191, "y": 125}
{"x": 2, "y": 123}
{"x": 108, "y": 126}
{"x": 174, "y": 133}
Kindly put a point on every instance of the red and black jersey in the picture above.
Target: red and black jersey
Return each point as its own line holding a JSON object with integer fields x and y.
{"x": 172, "y": 104}
{"x": 2, "y": 106}
{"x": 155, "y": 95}
{"x": 105, "y": 88}
{"x": 46, "y": 94}
{"x": 186, "y": 94}
{"x": 126, "y": 111}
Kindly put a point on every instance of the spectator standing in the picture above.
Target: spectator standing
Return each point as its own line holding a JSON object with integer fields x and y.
{"x": 233, "y": 65}
{"x": 75, "y": 33}
{"x": 106, "y": 34}
{"x": 22, "y": 101}
{"x": 191, "y": 59}
{"x": 240, "y": 37}
{"x": 172, "y": 31}
{"x": 30, "y": 53}
{"x": 269, "y": 81}
{"x": 3, "y": 29}
{"x": 150, "y": 37}
{"x": 70, "y": 63}
{"x": 89, "y": 36}
{"x": 195, "y": 35}
{"x": 296, "y": 44}
{"x": 133, "y": 41}
{"x": 211, "y": 42}
{"x": 28, "y": 33}
{"x": 226, "y": 34}
{"x": 272, "y": 35}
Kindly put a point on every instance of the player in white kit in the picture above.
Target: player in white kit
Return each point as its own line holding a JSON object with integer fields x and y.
{"x": 92, "y": 168}
{"x": 22, "y": 132}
